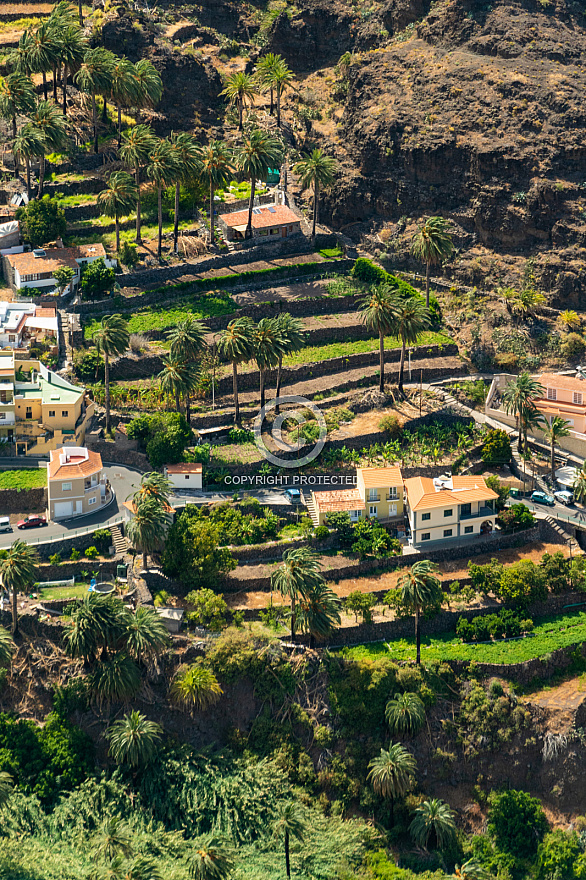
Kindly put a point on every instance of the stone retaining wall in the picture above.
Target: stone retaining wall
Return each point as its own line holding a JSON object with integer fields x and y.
{"x": 111, "y": 452}
{"x": 541, "y": 668}
{"x": 65, "y": 570}
{"x": 82, "y": 212}
{"x": 87, "y": 186}
{"x": 23, "y": 501}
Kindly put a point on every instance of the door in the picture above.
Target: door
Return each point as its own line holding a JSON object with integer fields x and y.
{"x": 63, "y": 509}
{"x": 79, "y": 507}
{"x": 392, "y": 510}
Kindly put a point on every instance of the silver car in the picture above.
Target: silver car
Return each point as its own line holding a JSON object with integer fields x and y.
{"x": 564, "y": 497}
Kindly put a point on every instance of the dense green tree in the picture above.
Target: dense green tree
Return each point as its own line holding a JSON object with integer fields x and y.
{"x": 111, "y": 338}
{"x": 41, "y": 221}
{"x": 516, "y": 822}
{"x": 316, "y": 170}
{"x": 192, "y": 551}
{"x": 195, "y": 687}
{"x": 118, "y": 199}
{"x": 557, "y": 855}
{"x": 432, "y": 244}
{"x": 18, "y": 572}
{"x": 379, "y": 311}
{"x": 496, "y": 449}
{"x": 236, "y": 344}
{"x": 133, "y": 739}
{"x": 258, "y": 152}
{"x": 405, "y": 714}
{"x": 433, "y": 822}
{"x": 419, "y": 588}
{"x": 63, "y": 276}
{"x": 290, "y": 824}
{"x": 97, "y": 279}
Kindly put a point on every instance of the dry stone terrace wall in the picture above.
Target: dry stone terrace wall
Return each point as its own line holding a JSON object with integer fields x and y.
{"x": 22, "y": 500}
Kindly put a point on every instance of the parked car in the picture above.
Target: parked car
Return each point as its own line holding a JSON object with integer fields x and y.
{"x": 5, "y": 524}
{"x": 543, "y": 498}
{"x": 31, "y": 522}
{"x": 564, "y": 497}
{"x": 294, "y": 495}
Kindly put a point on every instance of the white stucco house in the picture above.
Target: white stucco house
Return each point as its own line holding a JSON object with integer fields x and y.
{"x": 36, "y": 268}
{"x": 185, "y": 475}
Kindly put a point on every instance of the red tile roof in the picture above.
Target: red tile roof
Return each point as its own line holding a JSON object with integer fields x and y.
{"x": 184, "y": 468}
{"x": 270, "y": 215}
{"x": 422, "y": 493}
{"x": 341, "y": 499}
{"x": 28, "y": 264}
{"x": 77, "y": 466}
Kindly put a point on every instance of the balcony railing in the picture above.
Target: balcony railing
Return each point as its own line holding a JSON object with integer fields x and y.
{"x": 390, "y": 497}
{"x": 373, "y": 498}
{"x": 483, "y": 511}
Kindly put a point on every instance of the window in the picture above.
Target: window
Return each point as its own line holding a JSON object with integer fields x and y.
{"x": 354, "y": 514}
{"x": 12, "y": 339}
{"x": 552, "y": 394}
{"x": 373, "y": 495}
{"x": 29, "y": 412}
{"x": 263, "y": 232}
{"x": 448, "y": 512}
{"x": 51, "y": 413}
{"x": 426, "y": 536}
{"x": 425, "y": 516}
{"x": 465, "y": 510}
{"x": 372, "y": 510}
{"x": 64, "y": 413}
{"x": 273, "y": 232}
{"x": 393, "y": 495}
{"x": 2, "y": 415}
{"x": 447, "y": 533}
{"x": 577, "y": 397}
{"x": 468, "y": 530}
{"x": 91, "y": 501}
{"x": 187, "y": 476}
{"x": 66, "y": 487}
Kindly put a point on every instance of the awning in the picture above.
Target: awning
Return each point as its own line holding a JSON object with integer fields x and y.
{"x": 566, "y": 476}
{"x": 239, "y": 228}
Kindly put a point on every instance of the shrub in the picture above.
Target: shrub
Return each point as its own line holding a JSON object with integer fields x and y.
{"x": 97, "y": 279}
{"x": 128, "y": 254}
{"x": 55, "y": 559}
{"x": 522, "y": 583}
{"x": 103, "y": 540}
{"x": 557, "y": 853}
{"x": 161, "y": 598}
{"x": 321, "y": 533}
{"x": 209, "y": 609}
{"x": 91, "y": 553}
{"x": 391, "y": 426}
{"x": 192, "y": 551}
{"x": 516, "y": 822}
{"x": 573, "y": 346}
{"x": 343, "y": 527}
{"x": 556, "y": 571}
{"x": 89, "y": 366}
{"x": 361, "y": 604}
{"x": 502, "y": 491}
{"x": 515, "y": 518}
{"x": 42, "y": 221}
{"x": 138, "y": 343}
{"x": 240, "y": 435}
{"x": 75, "y": 555}
{"x": 496, "y": 448}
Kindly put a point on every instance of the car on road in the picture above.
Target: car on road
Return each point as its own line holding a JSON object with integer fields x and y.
{"x": 543, "y": 498}
{"x": 31, "y": 522}
{"x": 294, "y": 495}
{"x": 564, "y": 497}
{"x": 5, "y": 524}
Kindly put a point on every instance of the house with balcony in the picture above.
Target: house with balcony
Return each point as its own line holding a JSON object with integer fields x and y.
{"x": 378, "y": 495}
{"x": 76, "y": 483}
{"x": 447, "y": 509}
{"x": 39, "y": 410}
{"x": 23, "y": 325}
{"x": 36, "y": 268}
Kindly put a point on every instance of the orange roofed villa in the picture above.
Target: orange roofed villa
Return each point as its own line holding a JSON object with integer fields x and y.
{"x": 563, "y": 396}
{"x": 37, "y": 268}
{"x": 378, "y": 495}
{"x": 271, "y": 222}
{"x": 76, "y": 483}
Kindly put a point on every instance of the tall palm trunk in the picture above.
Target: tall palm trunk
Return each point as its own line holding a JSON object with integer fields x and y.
{"x": 287, "y": 862}
{"x": 80, "y": 12}
{"x": 14, "y": 627}
{"x": 427, "y": 268}
{"x": 235, "y": 391}
{"x": 402, "y": 366}
{"x": 553, "y": 460}
{"x": 293, "y": 609}
{"x": 188, "y": 407}
{"x": 107, "y": 389}
{"x": 262, "y": 387}
{"x": 272, "y": 110}
{"x": 55, "y": 83}
{"x": 278, "y": 107}
{"x": 177, "y": 402}
{"x": 95, "y": 121}
{"x": 279, "y": 377}
{"x": 417, "y": 636}
{"x": 45, "y": 85}
{"x": 119, "y": 126}
{"x": 28, "y": 176}
{"x": 381, "y": 351}
{"x": 16, "y": 156}
{"x": 248, "y": 233}
{"x": 105, "y": 111}
{"x": 117, "y": 224}
{"x": 240, "y": 103}
{"x": 176, "y": 224}
{"x": 211, "y": 212}
{"x": 160, "y": 217}
{"x": 315, "y": 203}
{"x": 144, "y": 561}
{"x": 64, "y": 88}
{"x": 42, "y": 166}
{"x": 138, "y": 239}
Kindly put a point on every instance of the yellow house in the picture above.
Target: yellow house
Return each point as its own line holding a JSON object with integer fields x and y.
{"x": 40, "y": 410}
{"x": 449, "y": 508}
{"x": 378, "y": 495}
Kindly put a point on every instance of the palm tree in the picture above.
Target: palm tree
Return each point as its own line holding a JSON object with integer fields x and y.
{"x": 319, "y": 611}
{"x": 29, "y": 144}
{"x": 557, "y": 429}
{"x": 112, "y": 338}
{"x": 179, "y": 379}
{"x": 6, "y": 649}
{"x": 519, "y": 396}
{"x": 147, "y": 529}
{"x": 216, "y": 169}
{"x": 137, "y": 144}
{"x": 579, "y": 486}
{"x": 391, "y": 773}
{"x": 72, "y": 48}
{"x": 60, "y": 19}
{"x": 6, "y": 787}
{"x": 146, "y": 634}
{"x": 187, "y": 154}
{"x": 42, "y": 51}
{"x": 18, "y": 573}
{"x": 432, "y": 244}
{"x": 211, "y": 859}
{"x": 433, "y": 817}
{"x": 289, "y": 822}
{"x": 240, "y": 90}
{"x": 315, "y": 170}
{"x": 149, "y": 84}
{"x": 411, "y": 320}
{"x": 299, "y": 572}
{"x": 118, "y": 198}
{"x": 113, "y": 839}
{"x": 291, "y": 339}
{"x": 17, "y": 98}
{"x": 51, "y": 125}
{"x": 267, "y": 350}
{"x": 379, "y": 311}
{"x": 571, "y": 320}
{"x": 97, "y": 626}
{"x": 264, "y": 75}
{"x": 19, "y": 59}
{"x": 281, "y": 77}
{"x": 162, "y": 169}
{"x": 236, "y": 344}
{"x": 259, "y": 152}
{"x": 156, "y": 486}
{"x": 419, "y": 587}
{"x": 95, "y": 77}
{"x": 133, "y": 739}
{"x": 405, "y": 714}
{"x": 124, "y": 89}
{"x": 195, "y": 687}
{"x": 187, "y": 338}
{"x": 471, "y": 870}
{"x": 115, "y": 680}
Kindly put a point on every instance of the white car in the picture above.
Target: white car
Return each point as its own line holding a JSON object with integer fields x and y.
{"x": 564, "y": 497}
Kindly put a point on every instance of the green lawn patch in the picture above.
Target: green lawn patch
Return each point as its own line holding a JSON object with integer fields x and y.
{"x": 549, "y": 634}
{"x": 315, "y": 353}
{"x": 161, "y": 317}
{"x": 77, "y": 591}
{"x": 332, "y": 253}
{"x": 31, "y": 478}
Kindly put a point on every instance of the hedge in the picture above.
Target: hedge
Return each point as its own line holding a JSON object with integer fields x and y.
{"x": 367, "y": 271}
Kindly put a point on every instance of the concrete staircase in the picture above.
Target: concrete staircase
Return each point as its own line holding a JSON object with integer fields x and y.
{"x": 558, "y": 529}
{"x": 309, "y": 503}
{"x": 119, "y": 541}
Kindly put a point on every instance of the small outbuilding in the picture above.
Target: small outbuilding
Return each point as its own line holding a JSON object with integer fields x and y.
{"x": 171, "y": 617}
{"x": 185, "y": 475}
{"x": 269, "y": 223}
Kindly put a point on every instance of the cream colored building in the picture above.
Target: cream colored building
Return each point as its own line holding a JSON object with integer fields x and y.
{"x": 39, "y": 410}
{"x": 76, "y": 483}
{"x": 185, "y": 475}
{"x": 378, "y": 495}
{"x": 448, "y": 508}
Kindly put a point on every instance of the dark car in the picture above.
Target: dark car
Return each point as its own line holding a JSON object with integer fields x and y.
{"x": 294, "y": 495}
{"x": 543, "y": 498}
{"x": 31, "y": 522}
